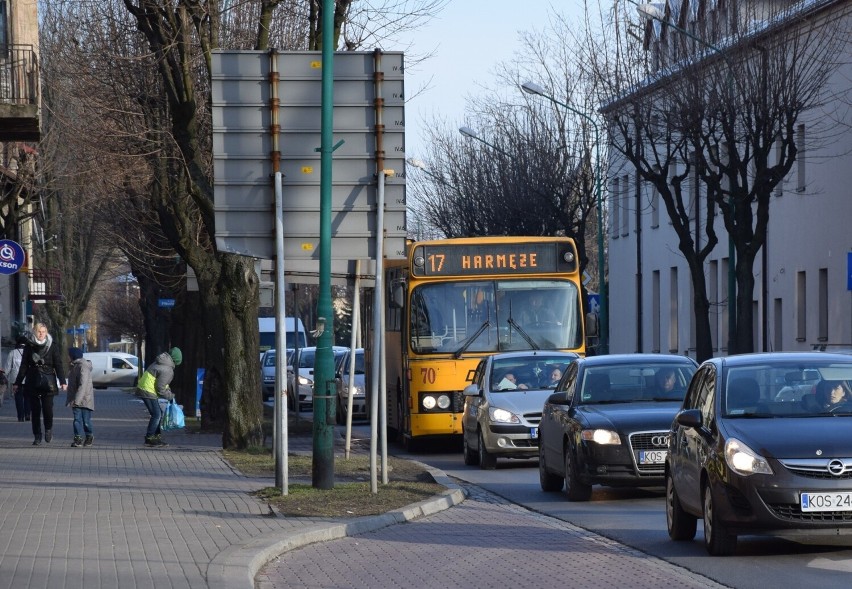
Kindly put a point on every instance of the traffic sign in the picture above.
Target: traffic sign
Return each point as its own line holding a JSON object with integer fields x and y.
{"x": 12, "y": 256}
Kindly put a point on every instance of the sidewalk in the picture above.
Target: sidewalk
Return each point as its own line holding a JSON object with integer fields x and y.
{"x": 119, "y": 514}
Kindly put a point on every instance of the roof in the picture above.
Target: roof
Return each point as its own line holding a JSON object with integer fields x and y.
{"x": 611, "y": 359}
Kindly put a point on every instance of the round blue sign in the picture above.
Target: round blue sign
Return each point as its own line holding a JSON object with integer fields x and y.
{"x": 12, "y": 256}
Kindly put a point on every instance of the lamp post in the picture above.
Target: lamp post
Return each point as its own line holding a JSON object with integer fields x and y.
{"x": 603, "y": 342}
{"x": 652, "y": 12}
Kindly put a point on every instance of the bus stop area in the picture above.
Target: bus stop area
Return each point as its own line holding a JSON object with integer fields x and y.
{"x": 119, "y": 514}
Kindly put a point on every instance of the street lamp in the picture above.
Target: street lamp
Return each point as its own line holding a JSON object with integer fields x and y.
{"x": 603, "y": 342}
{"x": 653, "y": 12}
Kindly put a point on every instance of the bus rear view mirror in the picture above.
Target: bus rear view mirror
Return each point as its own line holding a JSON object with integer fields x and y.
{"x": 397, "y": 299}
{"x": 591, "y": 324}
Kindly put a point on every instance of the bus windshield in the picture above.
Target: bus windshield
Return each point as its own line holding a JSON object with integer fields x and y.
{"x": 495, "y": 316}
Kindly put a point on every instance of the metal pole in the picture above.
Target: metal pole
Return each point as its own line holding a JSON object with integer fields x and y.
{"x": 356, "y": 326}
{"x": 378, "y": 322}
{"x": 323, "y": 433}
{"x": 280, "y": 433}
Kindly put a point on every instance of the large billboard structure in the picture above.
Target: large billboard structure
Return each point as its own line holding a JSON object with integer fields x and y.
{"x": 263, "y": 110}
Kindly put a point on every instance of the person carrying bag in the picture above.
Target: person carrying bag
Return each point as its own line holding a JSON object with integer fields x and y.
{"x": 153, "y": 385}
{"x": 41, "y": 375}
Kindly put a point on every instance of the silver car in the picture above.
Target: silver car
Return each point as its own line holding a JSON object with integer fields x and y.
{"x": 359, "y": 397}
{"x": 502, "y": 406}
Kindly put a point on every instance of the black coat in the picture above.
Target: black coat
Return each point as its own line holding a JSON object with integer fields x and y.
{"x": 52, "y": 358}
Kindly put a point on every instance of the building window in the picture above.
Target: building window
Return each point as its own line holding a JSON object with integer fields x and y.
{"x": 801, "y": 307}
{"x": 614, "y": 208}
{"x": 625, "y": 205}
{"x": 801, "y": 183}
{"x": 4, "y": 27}
{"x": 655, "y": 202}
{"x": 778, "y": 322}
{"x": 823, "y": 305}
{"x": 655, "y": 312}
{"x": 726, "y": 262}
{"x": 779, "y": 188}
{"x": 713, "y": 297}
{"x": 673, "y": 311}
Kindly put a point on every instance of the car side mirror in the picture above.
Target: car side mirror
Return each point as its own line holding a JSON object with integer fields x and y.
{"x": 471, "y": 390}
{"x": 689, "y": 418}
{"x": 558, "y": 399}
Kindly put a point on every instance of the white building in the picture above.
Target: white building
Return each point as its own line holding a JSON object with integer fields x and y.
{"x": 803, "y": 278}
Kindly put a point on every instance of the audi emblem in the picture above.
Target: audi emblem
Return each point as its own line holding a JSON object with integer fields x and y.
{"x": 836, "y": 467}
{"x": 660, "y": 440}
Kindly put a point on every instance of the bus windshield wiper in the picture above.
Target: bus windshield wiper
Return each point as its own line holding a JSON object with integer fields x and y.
{"x": 524, "y": 334}
{"x": 469, "y": 341}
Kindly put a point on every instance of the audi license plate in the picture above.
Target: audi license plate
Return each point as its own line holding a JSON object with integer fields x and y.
{"x": 837, "y": 501}
{"x": 652, "y": 456}
{"x": 534, "y": 432}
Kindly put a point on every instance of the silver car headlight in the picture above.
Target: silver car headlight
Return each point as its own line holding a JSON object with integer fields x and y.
{"x": 743, "y": 460}
{"x": 269, "y": 379}
{"x": 305, "y": 381}
{"x": 603, "y": 437}
{"x": 502, "y": 416}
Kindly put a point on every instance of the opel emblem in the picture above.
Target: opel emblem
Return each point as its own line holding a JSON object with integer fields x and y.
{"x": 836, "y": 467}
{"x": 660, "y": 440}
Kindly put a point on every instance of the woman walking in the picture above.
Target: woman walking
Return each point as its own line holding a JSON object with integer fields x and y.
{"x": 81, "y": 397}
{"x": 42, "y": 367}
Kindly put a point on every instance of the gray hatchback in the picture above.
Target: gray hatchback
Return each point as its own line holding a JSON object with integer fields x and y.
{"x": 502, "y": 406}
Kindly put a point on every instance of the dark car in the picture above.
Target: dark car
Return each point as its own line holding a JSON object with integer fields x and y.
{"x": 609, "y": 420}
{"x": 750, "y": 461}
{"x": 502, "y": 407}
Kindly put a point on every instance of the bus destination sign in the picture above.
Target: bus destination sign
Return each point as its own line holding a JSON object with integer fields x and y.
{"x": 492, "y": 259}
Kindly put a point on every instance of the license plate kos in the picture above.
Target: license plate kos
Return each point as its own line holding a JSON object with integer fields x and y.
{"x": 652, "y": 456}
{"x": 836, "y": 501}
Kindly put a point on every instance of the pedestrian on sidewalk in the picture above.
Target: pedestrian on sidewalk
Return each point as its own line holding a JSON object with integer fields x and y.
{"x": 12, "y": 367}
{"x": 81, "y": 397}
{"x": 154, "y": 385}
{"x": 42, "y": 368}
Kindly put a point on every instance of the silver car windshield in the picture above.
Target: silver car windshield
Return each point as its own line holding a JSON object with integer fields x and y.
{"x": 532, "y": 372}
{"x": 815, "y": 388}
{"x": 492, "y": 315}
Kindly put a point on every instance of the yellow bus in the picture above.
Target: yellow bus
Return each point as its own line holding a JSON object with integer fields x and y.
{"x": 456, "y": 301}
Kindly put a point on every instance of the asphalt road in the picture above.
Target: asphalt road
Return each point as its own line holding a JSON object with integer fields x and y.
{"x": 637, "y": 518}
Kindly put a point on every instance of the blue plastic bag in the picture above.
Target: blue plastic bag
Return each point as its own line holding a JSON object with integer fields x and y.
{"x": 173, "y": 417}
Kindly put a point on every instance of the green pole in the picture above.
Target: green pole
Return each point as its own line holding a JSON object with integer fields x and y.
{"x": 322, "y": 466}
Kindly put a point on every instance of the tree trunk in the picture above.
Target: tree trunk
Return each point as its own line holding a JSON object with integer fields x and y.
{"x": 238, "y": 298}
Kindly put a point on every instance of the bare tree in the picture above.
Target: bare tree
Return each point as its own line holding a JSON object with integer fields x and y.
{"x": 688, "y": 109}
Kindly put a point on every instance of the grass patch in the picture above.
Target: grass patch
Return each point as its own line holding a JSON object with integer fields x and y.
{"x": 409, "y": 482}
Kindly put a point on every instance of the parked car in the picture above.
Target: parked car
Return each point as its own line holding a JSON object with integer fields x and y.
{"x": 360, "y": 410}
{"x": 608, "y": 422}
{"x": 267, "y": 367}
{"x": 307, "y": 359}
{"x": 113, "y": 369}
{"x": 502, "y": 406}
{"x": 747, "y": 462}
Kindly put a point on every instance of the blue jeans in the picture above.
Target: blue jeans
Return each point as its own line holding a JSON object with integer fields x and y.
{"x": 153, "y": 407}
{"x": 82, "y": 422}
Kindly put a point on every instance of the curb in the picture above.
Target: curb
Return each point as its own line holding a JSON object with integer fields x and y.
{"x": 238, "y": 565}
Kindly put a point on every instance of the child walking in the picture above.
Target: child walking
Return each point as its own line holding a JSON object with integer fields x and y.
{"x": 81, "y": 398}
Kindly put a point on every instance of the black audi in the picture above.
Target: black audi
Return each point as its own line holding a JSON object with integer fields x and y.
{"x": 609, "y": 420}
{"x": 747, "y": 457}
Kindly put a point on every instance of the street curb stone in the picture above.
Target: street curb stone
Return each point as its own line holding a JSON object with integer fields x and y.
{"x": 238, "y": 565}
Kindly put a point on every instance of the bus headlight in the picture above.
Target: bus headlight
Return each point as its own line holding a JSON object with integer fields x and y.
{"x": 429, "y": 402}
{"x": 443, "y": 402}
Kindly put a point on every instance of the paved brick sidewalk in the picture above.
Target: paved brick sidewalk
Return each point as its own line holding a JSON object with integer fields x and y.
{"x": 484, "y": 542}
{"x": 119, "y": 514}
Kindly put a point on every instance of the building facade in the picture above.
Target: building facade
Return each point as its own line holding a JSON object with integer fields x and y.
{"x": 803, "y": 276}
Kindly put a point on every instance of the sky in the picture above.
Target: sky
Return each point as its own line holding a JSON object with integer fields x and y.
{"x": 469, "y": 39}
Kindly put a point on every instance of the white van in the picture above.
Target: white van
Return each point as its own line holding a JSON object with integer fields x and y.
{"x": 266, "y": 326}
{"x": 113, "y": 369}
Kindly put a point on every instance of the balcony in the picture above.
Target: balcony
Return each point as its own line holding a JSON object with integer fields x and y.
{"x": 46, "y": 285}
{"x": 19, "y": 89}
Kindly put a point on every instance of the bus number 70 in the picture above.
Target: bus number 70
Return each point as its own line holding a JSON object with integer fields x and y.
{"x": 428, "y": 375}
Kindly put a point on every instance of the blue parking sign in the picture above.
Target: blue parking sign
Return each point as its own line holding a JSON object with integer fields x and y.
{"x": 849, "y": 271}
